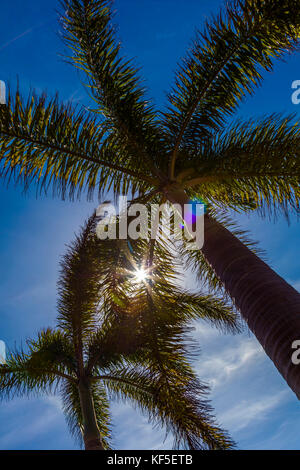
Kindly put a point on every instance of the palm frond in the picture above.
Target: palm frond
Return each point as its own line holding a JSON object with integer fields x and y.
{"x": 78, "y": 286}
{"x": 48, "y": 362}
{"x": 120, "y": 336}
{"x": 113, "y": 82}
{"x": 175, "y": 404}
{"x": 225, "y": 63}
{"x": 54, "y": 145}
{"x": 254, "y": 161}
{"x": 187, "y": 306}
{"x": 53, "y": 348}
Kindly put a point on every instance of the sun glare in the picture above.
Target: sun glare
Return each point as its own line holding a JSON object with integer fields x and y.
{"x": 140, "y": 275}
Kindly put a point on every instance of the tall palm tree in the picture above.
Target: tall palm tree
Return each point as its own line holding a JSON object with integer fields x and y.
{"x": 120, "y": 336}
{"x": 188, "y": 151}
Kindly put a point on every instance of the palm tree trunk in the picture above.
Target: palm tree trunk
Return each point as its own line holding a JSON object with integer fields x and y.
{"x": 270, "y": 306}
{"x": 91, "y": 434}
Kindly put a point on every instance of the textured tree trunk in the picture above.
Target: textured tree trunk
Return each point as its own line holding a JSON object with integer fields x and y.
{"x": 270, "y": 306}
{"x": 91, "y": 434}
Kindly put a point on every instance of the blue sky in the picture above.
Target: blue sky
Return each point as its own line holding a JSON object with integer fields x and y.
{"x": 250, "y": 397}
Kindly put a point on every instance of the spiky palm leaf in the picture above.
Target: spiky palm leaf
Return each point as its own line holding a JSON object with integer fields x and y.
{"x": 55, "y": 144}
{"x": 226, "y": 63}
{"x": 112, "y": 80}
{"x": 255, "y": 163}
{"x": 172, "y": 400}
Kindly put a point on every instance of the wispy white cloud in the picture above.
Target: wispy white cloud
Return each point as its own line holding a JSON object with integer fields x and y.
{"x": 248, "y": 411}
{"x": 54, "y": 401}
{"x": 18, "y": 434}
{"x": 226, "y": 362}
{"x": 132, "y": 430}
{"x": 75, "y": 97}
{"x": 205, "y": 332}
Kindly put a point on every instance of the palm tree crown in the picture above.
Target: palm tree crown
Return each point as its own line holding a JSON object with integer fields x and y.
{"x": 118, "y": 336}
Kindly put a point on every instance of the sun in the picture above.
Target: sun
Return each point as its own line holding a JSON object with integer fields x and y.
{"x": 140, "y": 275}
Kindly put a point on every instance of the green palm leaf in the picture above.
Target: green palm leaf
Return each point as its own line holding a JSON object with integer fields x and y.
{"x": 251, "y": 162}
{"x": 55, "y": 145}
{"x": 113, "y": 81}
{"x": 41, "y": 370}
{"x": 172, "y": 401}
{"x": 225, "y": 63}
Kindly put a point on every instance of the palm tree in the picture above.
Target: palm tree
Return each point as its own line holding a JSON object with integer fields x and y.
{"x": 119, "y": 336}
{"x": 189, "y": 151}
